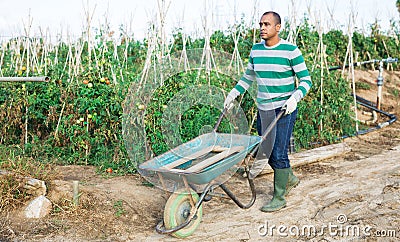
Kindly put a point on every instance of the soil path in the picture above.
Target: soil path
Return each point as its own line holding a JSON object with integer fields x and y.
{"x": 360, "y": 196}
{"x": 357, "y": 193}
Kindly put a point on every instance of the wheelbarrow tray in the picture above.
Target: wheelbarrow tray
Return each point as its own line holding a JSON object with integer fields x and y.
{"x": 165, "y": 164}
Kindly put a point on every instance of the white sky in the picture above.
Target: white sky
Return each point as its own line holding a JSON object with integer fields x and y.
{"x": 60, "y": 16}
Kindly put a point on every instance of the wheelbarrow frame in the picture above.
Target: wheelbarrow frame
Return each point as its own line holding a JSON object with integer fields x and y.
{"x": 187, "y": 178}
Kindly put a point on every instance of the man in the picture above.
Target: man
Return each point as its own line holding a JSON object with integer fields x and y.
{"x": 274, "y": 63}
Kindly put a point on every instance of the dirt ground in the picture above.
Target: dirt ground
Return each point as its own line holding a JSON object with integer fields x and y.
{"x": 355, "y": 196}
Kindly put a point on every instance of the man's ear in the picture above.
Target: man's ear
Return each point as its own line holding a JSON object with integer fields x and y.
{"x": 278, "y": 27}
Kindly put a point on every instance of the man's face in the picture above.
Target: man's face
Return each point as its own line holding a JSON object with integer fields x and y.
{"x": 268, "y": 28}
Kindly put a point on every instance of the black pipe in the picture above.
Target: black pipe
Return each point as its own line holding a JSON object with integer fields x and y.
{"x": 354, "y": 64}
{"x": 370, "y": 105}
{"x": 367, "y": 103}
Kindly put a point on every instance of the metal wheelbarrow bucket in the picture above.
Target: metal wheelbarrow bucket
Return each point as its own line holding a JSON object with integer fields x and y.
{"x": 201, "y": 161}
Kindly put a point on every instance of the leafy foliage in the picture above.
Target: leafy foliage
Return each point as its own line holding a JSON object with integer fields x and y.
{"x": 76, "y": 118}
{"x": 327, "y": 120}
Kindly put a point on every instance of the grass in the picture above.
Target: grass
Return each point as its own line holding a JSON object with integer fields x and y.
{"x": 14, "y": 169}
{"x": 362, "y": 86}
{"x": 394, "y": 92}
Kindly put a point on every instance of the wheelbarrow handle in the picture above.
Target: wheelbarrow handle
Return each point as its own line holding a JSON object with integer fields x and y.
{"x": 272, "y": 124}
{"x": 267, "y": 131}
{"x": 270, "y": 127}
{"x": 221, "y": 116}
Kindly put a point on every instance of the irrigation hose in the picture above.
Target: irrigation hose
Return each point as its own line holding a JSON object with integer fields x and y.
{"x": 369, "y": 104}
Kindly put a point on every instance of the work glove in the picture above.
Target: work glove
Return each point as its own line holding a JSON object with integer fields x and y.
{"x": 229, "y": 99}
{"x": 290, "y": 105}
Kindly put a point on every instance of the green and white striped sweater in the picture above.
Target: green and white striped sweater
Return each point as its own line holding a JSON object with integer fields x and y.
{"x": 275, "y": 69}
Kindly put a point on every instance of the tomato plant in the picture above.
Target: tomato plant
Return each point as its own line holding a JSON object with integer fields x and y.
{"x": 76, "y": 119}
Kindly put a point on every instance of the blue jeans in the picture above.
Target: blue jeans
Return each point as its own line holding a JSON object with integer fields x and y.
{"x": 278, "y": 158}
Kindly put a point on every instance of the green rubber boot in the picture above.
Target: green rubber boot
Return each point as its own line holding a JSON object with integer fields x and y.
{"x": 293, "y": 181}
{"x": 281, "y": 177}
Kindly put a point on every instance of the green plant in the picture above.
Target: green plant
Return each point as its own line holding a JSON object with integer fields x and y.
{"x": 362, "y": 86}
{"x": 77, "y": 117}
{"x": 187, "y": 105}
{"x": 119, "y": 208}
{"x": 398, "y": 5}
{"x": 315, "y": 124}
{"x": 394, "y": 92}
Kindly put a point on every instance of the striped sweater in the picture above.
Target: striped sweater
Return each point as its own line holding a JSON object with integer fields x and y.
{"x": 275, "y": 69}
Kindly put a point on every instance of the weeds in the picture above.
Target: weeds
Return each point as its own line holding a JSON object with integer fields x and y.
{"x": 394, "y": 92}
{"x": 13, "y": 171}
{"x": 5, "y": 231}
{"x": 12, "y": 194}
{"x": 119, "y": 209}
{"x": 362, "y": 86}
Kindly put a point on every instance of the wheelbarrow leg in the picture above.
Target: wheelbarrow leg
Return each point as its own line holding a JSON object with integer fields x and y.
{"x": 250, "y": 179}
{"x": 235, "y": 199}
{"x": 207, "y": 197}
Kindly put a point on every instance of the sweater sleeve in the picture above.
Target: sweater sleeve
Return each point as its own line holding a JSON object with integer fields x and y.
{"x": 300, "y": 68}
{"x": 248, "y": 77}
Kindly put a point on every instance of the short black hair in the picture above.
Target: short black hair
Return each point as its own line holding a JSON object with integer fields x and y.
{"x": 276, "y": 16}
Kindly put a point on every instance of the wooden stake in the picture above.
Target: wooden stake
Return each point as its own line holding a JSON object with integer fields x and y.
{"x": 75, "y": 188}
{"x": 1, "y": 61}
{"x": 351, "y": 66}
{"x": 89, "y": 18}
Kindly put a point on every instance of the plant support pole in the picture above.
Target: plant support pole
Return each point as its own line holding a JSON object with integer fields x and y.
{"x": 75, "y": 190}
{"x": 380, "y": 84}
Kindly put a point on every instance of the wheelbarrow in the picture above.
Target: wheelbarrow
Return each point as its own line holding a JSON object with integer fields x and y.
{"x": 202, "y": 161}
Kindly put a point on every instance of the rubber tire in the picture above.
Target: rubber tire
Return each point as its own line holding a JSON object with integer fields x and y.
{"x": 178, "y": 203}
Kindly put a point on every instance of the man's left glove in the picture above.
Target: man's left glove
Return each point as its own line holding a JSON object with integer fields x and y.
{"x": 232, "y": 95}
{"x": 290, "y": 105}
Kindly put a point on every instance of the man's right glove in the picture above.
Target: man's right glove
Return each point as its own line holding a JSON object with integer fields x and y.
{"x": 229, "y": 99}
{"x": 290, "y": 105}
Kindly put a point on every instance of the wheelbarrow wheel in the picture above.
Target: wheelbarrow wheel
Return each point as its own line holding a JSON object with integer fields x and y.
{"x": 177, "y": 210}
